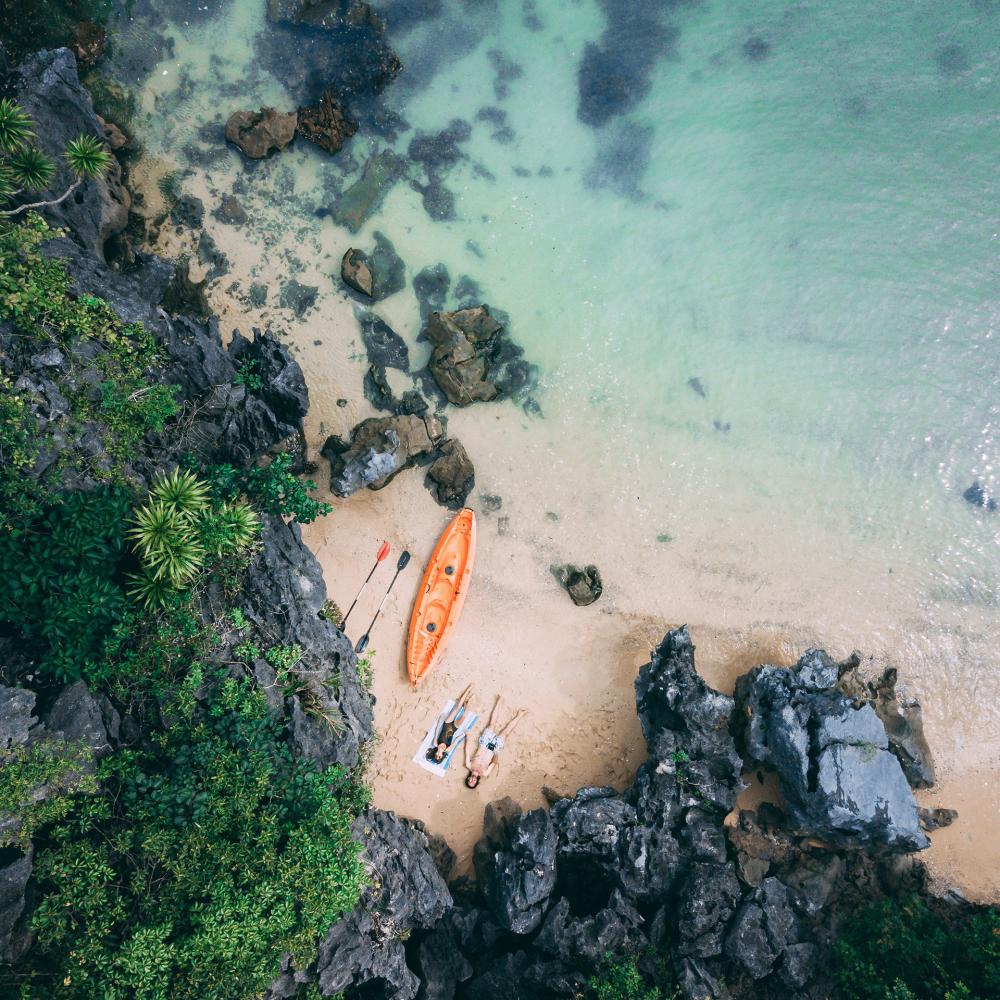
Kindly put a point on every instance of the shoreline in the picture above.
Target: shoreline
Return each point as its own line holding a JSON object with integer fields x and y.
{"x": 736, "y": 593}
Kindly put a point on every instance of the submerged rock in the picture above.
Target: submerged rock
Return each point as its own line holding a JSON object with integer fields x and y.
{"x": 583, "y": 584}
{"x": 378, "y": 274}
{"x": 976, "y": 495}
{"x": 451, "y": 476}
{"x": 385, "y": 347}
{"x": 378, "y": 450}
{"x": 297, "y": 297}
{"x": 326, "y": 125}
{"x": 473, "y": 357}
{"x": 365, "y": 196}
{"x": 259, "y": 133}
{"x": 841, "y": 782}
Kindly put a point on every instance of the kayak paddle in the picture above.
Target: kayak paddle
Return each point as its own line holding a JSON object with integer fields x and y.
{"x": 363, "y": 641}
{"x": 382, "y": 553}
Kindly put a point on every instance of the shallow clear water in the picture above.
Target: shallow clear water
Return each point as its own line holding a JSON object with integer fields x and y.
{"x": 796, "y": 206}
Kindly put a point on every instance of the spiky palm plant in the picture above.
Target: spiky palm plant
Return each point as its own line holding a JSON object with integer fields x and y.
{"x": 180, "y": 560}
{"x": 31, "y": 168}
{"x": 148, "y": 590}
{"x": 181, "y": 492}
{"x": 241, "y": 522}
{"x": 87, "y": 156}
{"x": 24, "y": 167}
{"x": 15, "y": 126}
{"x": 153, "y": 526}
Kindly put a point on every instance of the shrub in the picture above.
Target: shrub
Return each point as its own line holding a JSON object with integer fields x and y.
{"x": 272, "y": 489}
{"x": 36, "y": 787}
{"x": 198, "y": 866}
{"x": 623, "y": 981}
{"x": 906, "y": 951}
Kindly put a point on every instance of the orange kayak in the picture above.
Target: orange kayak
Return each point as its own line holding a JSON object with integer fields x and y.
{"x": 441, "y": 595}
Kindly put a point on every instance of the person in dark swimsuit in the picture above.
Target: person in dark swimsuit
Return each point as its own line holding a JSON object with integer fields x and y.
{"x": 447, "y": 728}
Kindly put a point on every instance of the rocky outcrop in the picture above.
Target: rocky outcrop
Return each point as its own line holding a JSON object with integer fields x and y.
{"x": 840, "y": 780}
{"x": 473, "y": 357}
{"x": 405, "y": 893}
{"x": 330, "y": 716}
{"x": 451, "y": 476}
{"x": 325, "y": 124}
{"x": 48, "y": 88}
{"x": 378, "y": 450}
{"x": 259, "y": 133}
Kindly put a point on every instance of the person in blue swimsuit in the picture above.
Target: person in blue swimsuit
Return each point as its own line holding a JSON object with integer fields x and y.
{"x": 492, "y": 740}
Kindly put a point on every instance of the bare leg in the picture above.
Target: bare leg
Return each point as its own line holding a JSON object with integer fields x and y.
{"x": 463, "y": 702}
{"x": 509, "y": 728}
{"x": 494, "y": 714}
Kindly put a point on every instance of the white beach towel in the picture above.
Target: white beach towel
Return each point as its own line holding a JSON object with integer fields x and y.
{"x": 466, "y": 720}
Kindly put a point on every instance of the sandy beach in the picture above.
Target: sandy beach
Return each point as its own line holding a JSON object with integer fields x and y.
{"x": 750, "y": 590}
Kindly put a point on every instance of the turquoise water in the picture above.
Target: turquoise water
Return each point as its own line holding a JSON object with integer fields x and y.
{"x": 795, "y": 204}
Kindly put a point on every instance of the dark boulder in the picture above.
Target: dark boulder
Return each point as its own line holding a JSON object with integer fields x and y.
{"x": 591, "y": 941}
{"x": 707, "y": 901}
{"x": 16, "y": 718}
{"x": 431, "y": 288}
{"x": 592, "y": 822}
{"x": 517, "y": 879}
{"x": 49, "y": 89}
{"x": 77, "y": 716}
{"x": 259, "y": 133}
{"x": 385, "y": 348}
{"x": 583, "y": 584}
{"x": 686, "y": 726}
{"x": 14, "y": 938}
{"x": 473, "y": 357}
{"x": 764, "y": 927}
{"x": 378, "y": 450}
{"x": 297, "y": 297}
{"x": 325, "y": 124}
{"x": 451, "y": 476}
{"x": 840, "y": 780}
{"x": 442, "y": 965}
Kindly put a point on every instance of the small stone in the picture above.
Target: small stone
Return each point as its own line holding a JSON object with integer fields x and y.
{"x": 355, "y": 271}
{"x": 491, "y": 502}
{"x": 231, "y": 211}
{"x": 259, "y": 133}
{"x": 976, "y": 495}
{"x": 257, "y": 295}
{"x": 583, "y": 585}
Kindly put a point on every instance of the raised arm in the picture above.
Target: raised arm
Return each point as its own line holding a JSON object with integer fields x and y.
{"x": 468, "y": 755}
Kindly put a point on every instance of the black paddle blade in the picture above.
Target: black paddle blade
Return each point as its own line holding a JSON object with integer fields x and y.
{"x": 362, "y": 644}
{"x": 403, "y": 560}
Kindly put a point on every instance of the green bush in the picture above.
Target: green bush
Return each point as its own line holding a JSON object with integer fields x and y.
{"x": 60, "y": 582}
{"x": 197, "y": 866}
{"x": 36, "y": 787}
{"x": 623, "y": 981}
{"x": 272, "y": 489}
{"x": 906, "y": 951}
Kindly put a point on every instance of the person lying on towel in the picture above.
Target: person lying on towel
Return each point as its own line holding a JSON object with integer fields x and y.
{"x": 438, "y": 750}
{"x": 487, "y": 754}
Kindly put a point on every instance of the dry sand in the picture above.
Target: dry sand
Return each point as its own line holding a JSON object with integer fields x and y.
{"x": 739, "y": 583}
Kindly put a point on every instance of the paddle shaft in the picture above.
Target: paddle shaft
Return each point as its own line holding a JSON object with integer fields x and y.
{"x": 364, "y": 640}
{"x": 382, "y": 553}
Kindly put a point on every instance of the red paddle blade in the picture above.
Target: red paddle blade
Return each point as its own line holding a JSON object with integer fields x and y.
{"x": 382, "y": 552}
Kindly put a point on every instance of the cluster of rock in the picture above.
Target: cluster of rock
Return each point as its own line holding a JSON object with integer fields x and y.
{"x": 746, "y": 909}
{"x": 258, "y": 134}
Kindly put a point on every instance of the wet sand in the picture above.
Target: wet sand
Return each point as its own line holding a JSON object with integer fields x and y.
{"x": 751, "y": 591}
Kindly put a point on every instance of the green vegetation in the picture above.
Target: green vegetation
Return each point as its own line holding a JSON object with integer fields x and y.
{"x": 198, "y": 865}
{"x": 36, "y": 786}
{"x": 248, "y": 374}
{"x": 273, "y": 488}
{"x": 24, "y": 167}
{"x": 35, "y": 297}
{"x": 907, "y": 951}
{"x": 623, "y": 981}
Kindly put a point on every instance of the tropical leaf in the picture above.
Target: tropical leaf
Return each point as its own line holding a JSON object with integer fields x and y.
{"x": 181, "y": 492}
{"x": 31, "y": 167}
{"x": 150, "y": 591}
{"x": 87, "y": 156}
{"x": 15, "y": 126}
